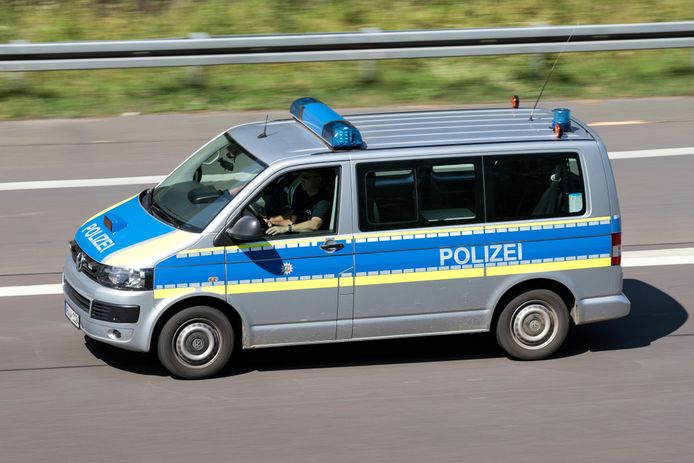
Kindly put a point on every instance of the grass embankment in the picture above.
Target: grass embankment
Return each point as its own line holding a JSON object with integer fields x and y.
{"x": 423, "y": 81}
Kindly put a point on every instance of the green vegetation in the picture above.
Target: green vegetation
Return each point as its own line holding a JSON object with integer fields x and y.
{"x": 420, "y": 82}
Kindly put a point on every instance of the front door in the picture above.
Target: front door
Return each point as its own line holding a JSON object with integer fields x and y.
{"x": 291, "y": 286}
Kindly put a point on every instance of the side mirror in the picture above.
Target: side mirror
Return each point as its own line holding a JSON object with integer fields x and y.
{"x": 247, "y": 228}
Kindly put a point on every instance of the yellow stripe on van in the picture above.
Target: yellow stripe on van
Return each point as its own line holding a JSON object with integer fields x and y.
{"x": 272, "y": 243}
{"x": 178, "y": 292}
{"x": 413, "y": 277}
{"x": 418, "y": 231}
{"x": 108, "y": 209}
{"x": 156, "y": 247}
{"x": 172, "y": 292}
{"x": 292, "y": 240}
{"x": 393, "y": 278}
{"x": 193, "y": 251}
{"x": 548, "y": 222}
{"x": 282, "y": 286}
{"x": 549, "y": 266}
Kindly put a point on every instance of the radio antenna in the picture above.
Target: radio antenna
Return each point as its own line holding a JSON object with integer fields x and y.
{"x": 542, "y": 90}
{"x": 264, "y": 133}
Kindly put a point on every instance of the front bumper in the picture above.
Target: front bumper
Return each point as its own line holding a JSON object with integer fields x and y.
{"x": 133, "y": 336}
{"x": 597, "y": 309}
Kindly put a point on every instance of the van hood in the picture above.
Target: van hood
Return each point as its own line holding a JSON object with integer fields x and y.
{"x": 126, "y": 235}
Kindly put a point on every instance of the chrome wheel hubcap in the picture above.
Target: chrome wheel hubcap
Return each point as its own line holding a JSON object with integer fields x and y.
{"x": 534, "y": 325}
{"x": 197, "y": 343}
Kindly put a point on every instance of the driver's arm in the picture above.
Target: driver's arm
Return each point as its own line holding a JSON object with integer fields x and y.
{"x": 281, "y": 220}
{"x": 312, "y": 224}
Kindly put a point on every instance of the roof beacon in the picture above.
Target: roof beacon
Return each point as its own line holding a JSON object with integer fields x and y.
{"x": 334, "y": 129}
{"x": 561, "y": 117}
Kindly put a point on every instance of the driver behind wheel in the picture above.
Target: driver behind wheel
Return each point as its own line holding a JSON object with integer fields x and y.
{"x": 308, "y": 206}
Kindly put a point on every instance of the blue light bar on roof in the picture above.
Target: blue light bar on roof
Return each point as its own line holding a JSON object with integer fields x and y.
{"x": 562, "y": 118}
{"x": 327, "y": 124}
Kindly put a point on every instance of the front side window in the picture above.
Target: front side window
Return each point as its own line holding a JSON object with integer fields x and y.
{"x": 419, "y": 193}
{"x": 299, "y": 202}
{"x": 533, "y": 186}
{"x": 192, "y": 195}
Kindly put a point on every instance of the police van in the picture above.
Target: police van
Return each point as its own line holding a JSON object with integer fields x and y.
{"x": 321, "y": 228}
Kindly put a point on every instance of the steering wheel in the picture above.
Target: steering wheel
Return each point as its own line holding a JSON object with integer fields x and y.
{"x": 254, "y": 212}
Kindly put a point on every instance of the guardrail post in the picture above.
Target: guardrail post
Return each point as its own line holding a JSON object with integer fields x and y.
{"x": 15, "y": 80}
{"x": 367, "y": 69}
{"x": 195, "y": 75}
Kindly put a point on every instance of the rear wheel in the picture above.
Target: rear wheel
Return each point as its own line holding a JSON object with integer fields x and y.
{"x": 196, "y": 343}
{"x": 533, "y": 325}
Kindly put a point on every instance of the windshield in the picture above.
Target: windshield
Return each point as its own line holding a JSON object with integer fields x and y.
{"x": 193, "y": 194}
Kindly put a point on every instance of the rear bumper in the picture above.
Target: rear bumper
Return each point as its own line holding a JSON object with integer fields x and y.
{"x": 597, "y": 309}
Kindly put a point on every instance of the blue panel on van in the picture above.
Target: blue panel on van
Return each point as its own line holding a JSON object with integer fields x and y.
{"x": 136, "y": 226}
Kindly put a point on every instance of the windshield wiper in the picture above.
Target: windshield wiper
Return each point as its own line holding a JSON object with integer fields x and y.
{"x": 171, "y": 219}
{"x": 167, "y": 217}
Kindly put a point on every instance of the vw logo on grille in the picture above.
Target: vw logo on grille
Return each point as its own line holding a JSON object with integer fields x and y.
{"x": 80, "y": 261}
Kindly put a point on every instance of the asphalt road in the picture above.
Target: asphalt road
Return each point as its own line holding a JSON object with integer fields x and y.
{"x": 621, "y": 391}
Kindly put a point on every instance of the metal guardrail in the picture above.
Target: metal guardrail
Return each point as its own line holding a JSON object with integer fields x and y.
{"x": 342, "y": 46}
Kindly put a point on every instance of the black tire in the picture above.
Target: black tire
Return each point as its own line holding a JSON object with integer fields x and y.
{"x": 196, "y": 343}
{"x": 533, "y": 325}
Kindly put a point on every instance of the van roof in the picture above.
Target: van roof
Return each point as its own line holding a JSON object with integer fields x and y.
{"x": 289, "y": 138}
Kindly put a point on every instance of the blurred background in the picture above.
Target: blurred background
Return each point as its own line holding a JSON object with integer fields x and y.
{"x": 428, "y": 81}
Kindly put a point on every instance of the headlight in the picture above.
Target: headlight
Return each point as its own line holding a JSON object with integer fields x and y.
{"x": 125, "y": 278}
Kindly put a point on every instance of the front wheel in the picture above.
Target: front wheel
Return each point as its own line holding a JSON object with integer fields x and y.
{"x": 533, "y": 325}
{"x": 196, "y": 343}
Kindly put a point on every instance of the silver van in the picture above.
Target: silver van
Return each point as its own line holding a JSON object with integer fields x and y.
{"x": 321, "y": 228}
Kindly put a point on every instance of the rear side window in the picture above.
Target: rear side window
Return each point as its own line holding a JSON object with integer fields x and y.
{"x": 420, "y": 193}
{"x": 391, "y": 196}
{"x": 532, "y": 186}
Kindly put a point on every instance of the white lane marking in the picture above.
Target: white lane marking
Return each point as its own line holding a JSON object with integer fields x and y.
{"x": 21, "y": 214}
{"x": 611, "y": 123}
{"x": 655, "y": 257}
{"x": 652, "y": 153}
{"x": 30, "y": 290}
{"x": 154, "y": 179}
{"x": 81, "y": 183}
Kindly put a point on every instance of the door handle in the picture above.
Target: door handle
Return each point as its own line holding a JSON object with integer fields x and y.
{"x": 331, "y": 246}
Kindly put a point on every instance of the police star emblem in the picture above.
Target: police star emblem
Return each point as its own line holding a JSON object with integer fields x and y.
{"x": 287, "y": 268}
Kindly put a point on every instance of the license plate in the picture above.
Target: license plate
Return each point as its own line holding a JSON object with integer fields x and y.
{"x": 72, "y": 316}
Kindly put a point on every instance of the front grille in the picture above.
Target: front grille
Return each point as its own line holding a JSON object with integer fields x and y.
{"x": 79, "y": 300}
{"x": 115, "y": 313}
{"x": 89, "y": 266}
